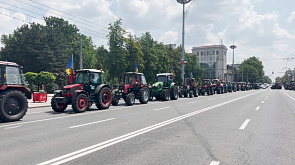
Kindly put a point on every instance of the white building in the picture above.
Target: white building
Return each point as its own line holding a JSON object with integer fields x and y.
{"x": 213, "y": 59}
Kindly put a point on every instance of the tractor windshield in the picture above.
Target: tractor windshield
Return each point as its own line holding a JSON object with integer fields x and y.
{"x": 13, "y": 76}
{"x": 131, "y": 78}
{"x": 82, "y": 78}
{"x": 215, "y": 82}
{"x": 163, "y": 79}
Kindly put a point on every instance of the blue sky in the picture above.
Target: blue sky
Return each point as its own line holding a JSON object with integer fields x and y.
{"x": 262, "y": 28}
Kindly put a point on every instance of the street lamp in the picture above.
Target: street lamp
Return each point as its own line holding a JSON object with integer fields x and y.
{"x": 233, "y": 47}
{"x": 183, "y": 2}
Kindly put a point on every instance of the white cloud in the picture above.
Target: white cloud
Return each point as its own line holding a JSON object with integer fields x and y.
{"x": 292, "y": 17}
{"x": 169, "y": 37}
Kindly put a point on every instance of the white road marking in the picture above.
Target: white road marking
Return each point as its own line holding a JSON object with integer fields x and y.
{"x": 245, "y": 124}
{"x": 161, "y": 108}
{"x": 99, "y": 146}
{"x": 257, "y": 108}
{"x": 266, "y": 98}
{"x": 92, "y": 123}
{"x": 13, "y": 127}
{"x": 192, "y": 102}
{"x": 289, "y": 96}
{"x": 75, "y": 115}
{"x": 214, "y": 163}
{"x": 262, "y": 102}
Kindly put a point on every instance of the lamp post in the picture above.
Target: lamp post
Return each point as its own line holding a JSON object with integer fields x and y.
{"x": 233, "y": 47}
{"x": 183, "y": 2}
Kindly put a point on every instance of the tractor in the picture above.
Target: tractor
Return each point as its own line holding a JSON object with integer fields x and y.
{"x": 13, "y": 92}
{"x": 88, "y": 88}
{"x": 218, "y": 86}
{"x": 133, "y": 86}
{"x": 164, "y": 88}
{"x": 190, "y": 88}
{"x": 207, "y": 87}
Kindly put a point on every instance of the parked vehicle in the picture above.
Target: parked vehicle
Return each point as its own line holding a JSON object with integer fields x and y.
{"x": 88, "y": 88}
{"x": 132, "y": 86}
{"x": 218, "y": 86}
{"x": 190, "y": 88}
{"x": 164, "y": 88}
{"x": 13, "y": 92}
{"x": 206, "y": 87}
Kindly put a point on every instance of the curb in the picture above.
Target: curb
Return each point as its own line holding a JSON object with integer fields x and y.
{"x": 39, "y": 106}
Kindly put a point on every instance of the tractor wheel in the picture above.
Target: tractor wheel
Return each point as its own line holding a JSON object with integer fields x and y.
{"x": 165, "y": 95}
{"x": 13, "y": 105}
{"x": 185, "y": 94}
{"x": 191, "y": 94}
{"x": 144, "y": 95}
{"x": 115, "y": 101}
{"x": 180, "y": 94}
{"x": 130, "y": 99}
{"x": 80, "y": 103}
{"x": 218, "y": 91}
{"x": 196, "y": 92}
{"x": 158, "y": 97}
{"x": 151, "y": 96}
{"x": 174, "y": 93}
{"x": 103, "y": 98}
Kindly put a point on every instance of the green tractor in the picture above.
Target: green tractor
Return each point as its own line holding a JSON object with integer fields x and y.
{"x": 88, "y": 88}
{"x": 164, "y": 88}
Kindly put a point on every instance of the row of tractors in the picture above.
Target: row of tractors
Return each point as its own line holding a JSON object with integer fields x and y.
{"x": 88, "y": 88}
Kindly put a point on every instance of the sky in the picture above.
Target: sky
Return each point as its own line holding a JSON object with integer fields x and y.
{"x": 260, "y": 28}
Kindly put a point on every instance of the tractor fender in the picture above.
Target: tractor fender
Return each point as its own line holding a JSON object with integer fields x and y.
{"x": 81, "y": 91}
{"x": 100, "y": 87}
{"x": 57, "y": 92}
{"x": 172, "y": 85}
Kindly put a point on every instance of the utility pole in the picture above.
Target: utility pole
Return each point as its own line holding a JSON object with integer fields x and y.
{"x": 80, "y": 45}
{"x": 183, "y": 2}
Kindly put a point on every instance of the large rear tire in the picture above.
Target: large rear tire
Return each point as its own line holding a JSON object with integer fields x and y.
{"x": 174, "y": 93}
{"x": 191, "y": 94}
{"x": 196, "y": 92}
{"x": 144, "y": 95}
{"x": 13, "y": 105}
{"x": 130, "y": 99}
{"x": 58, "y": 107}
{"x": 103, "y": 98}
{"x": 165, "y": 95}
{"x": 80, "y": 103}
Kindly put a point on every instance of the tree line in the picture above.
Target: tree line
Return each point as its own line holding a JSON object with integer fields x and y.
{"x": 49, "y": 48}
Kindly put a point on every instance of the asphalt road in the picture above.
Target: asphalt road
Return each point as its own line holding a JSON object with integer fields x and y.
{"x": 246, "y": 127}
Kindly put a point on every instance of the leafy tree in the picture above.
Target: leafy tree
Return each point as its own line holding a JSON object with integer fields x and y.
{"x": 193, "y": 67}
{"x": 116, "y": 60}
{"x": 134, "y": 54}
{"x": 267, "y": 80}
{"x": 45, "y": 78}
{"x": 101, "y": 55}
{"x": 30, "y": 77}
{"x": 149, "y": 57}
{"x": 253, "y": 67}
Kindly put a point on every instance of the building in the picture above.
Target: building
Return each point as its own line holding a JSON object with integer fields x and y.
{"x": 213, "y": 59}
{"x": 228, "y": 75}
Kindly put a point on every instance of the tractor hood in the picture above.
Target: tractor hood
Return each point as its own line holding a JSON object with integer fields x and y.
{"x": 73, "y": 85}
{"x": 157, "y": 86}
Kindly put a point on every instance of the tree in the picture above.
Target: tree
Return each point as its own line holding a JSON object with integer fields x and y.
{"x": 193, "y": 67}
{"x": 253, "y": 68}
{"x": 45, "y": 78}
{"x": 30, "y": 77}
{"x": 116, "y": 60}
{"x": 134, "y": 54}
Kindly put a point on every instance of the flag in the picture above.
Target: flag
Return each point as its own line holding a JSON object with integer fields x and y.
{"x": 70, "y": 66}
{"x": 136, "y": 68}
{"x": 192, "y": 75}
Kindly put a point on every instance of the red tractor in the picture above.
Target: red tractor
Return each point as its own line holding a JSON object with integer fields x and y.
{"x": 87, "y": 89}
{"x": 133, "y": 86}
{"x": 190, "y": 88}
{"x": 13, "y": 92}
{"x": 218, "y": 86}
{"x": 207, "y": 87}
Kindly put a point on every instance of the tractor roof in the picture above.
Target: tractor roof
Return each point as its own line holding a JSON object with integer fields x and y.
{"x": 8, "y": 63}
{"x": 206, "y": 79}
{"x": 165, "y": 74}
{"x": 133, "y": 73}
{"x": 90, "y": 70}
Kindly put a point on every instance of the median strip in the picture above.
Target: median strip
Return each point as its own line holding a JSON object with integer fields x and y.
{"x": 91, "y": 123}
{"x": 99, "y": 146}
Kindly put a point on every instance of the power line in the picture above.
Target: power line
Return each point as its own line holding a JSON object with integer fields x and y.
{"x": 68, "y": 14}
{"x": 60, "y": 15}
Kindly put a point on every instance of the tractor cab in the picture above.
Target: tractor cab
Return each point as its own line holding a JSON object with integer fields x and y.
{"x": 190, "y": 82}
{"x": 132, "y": 78}
{"x": 166, "y": 78}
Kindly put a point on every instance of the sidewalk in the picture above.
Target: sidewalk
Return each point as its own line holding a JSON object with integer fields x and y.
{"x": 41, "y": 104}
